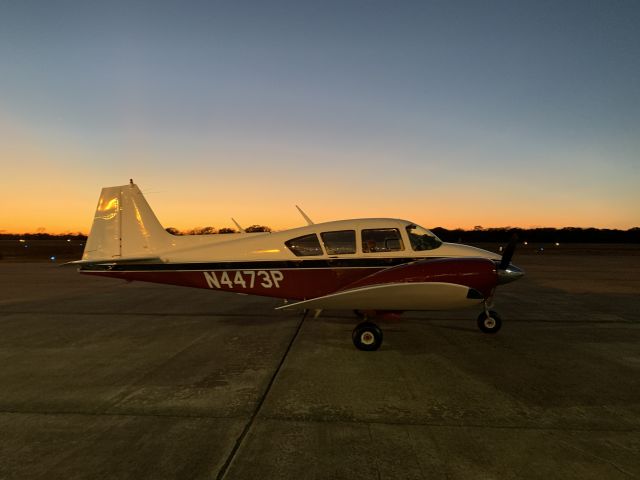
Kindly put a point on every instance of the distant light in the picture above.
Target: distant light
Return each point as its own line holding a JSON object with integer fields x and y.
{"x": 81, "y": 244}
{"x": 500, "y": 249}
{"x": 52, "y": 258}
{"x": 26, "y": 246}
{"x": 68, "y": 239}
{"x": 526, "y": 243}
{"x": 557, "y": 244}
{"x": 22, "y": 240}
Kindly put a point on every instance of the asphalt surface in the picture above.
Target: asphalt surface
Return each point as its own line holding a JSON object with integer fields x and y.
{"x": 101, "y": 378}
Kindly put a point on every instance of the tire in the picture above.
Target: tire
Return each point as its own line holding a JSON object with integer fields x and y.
{"x": 367, "y": 336}
{"x": 490, "y": 324}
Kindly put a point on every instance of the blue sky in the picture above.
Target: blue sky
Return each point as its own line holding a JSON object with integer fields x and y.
{"x": 447, "y": 113}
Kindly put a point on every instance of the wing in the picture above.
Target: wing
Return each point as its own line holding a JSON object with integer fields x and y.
{"x": 396, "y": 296}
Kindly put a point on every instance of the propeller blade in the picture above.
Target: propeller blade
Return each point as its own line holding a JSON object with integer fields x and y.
{"x": 508, "y": 252}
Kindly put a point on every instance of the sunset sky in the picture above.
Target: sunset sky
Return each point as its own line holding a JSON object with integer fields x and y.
{"x": 449, "y": 114}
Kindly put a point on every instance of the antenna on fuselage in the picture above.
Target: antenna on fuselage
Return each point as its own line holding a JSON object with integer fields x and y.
{"x": 305, "y": 216}
{"x": 238, "y": 225}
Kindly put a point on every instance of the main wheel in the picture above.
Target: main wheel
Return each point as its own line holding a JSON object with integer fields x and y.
{"x": 367, "y": 336}
{"x": 490, "y": 323}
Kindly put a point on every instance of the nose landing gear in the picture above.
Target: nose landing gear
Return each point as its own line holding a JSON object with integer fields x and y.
{"x": 489, "y": 321}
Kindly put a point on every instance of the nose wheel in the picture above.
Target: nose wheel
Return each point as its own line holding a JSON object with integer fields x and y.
{"x": 489, "y": 321}
{"x": 367, "y": 336}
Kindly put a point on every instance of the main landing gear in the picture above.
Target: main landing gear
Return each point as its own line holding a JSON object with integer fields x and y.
{"x": 367, "y": 336}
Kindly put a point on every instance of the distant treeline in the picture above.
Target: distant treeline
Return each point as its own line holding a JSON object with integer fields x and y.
{"x": 213, "y": 231}
{"x": 540, "y": 235}
{"x": 477, "y": 235}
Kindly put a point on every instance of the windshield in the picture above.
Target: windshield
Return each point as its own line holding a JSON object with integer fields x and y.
{"x": 305, "y": 246}
{"x": 422, "y": 239}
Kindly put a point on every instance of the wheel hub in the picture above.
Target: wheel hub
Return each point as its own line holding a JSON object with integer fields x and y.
{"x": 367, "y": 338}
{"x": 489, "y": 322}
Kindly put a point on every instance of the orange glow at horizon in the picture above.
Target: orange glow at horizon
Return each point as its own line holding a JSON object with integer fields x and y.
{"x": 54, "y": 188}
{"x": 31, "y": 216}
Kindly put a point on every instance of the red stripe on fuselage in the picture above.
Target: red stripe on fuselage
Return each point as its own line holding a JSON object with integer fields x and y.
{"x": 306, "y": 283}
{"x": 296, "y": 283}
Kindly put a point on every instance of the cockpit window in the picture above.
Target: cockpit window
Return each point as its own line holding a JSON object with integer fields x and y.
{"x": 422, "y": 239}
{"x": 305, "y": 246}
{"x": 340, "y": 242}
{"x": 381, "y": 240}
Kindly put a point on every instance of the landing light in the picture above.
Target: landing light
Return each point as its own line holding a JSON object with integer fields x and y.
{"x": 52, "y": 258}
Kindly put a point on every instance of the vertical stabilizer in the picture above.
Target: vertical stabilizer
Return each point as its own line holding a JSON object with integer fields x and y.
{"x": 124, "y": 226}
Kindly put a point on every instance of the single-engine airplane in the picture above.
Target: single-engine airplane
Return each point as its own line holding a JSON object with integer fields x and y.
{"x": 366, "y": 265}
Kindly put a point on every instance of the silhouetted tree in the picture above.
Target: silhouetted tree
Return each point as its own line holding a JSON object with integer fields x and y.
{"x": 226, "y": 230}
{"x": 173, "y": 231}
{"x": 257, "y": 228}
{"x": 202, "y": 231}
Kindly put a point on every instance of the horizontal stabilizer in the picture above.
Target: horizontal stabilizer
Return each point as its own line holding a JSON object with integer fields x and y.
{"x": 114, "y": 261}
{"x": 393, "y": 296}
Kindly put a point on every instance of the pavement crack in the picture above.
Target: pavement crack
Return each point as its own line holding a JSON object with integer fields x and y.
{"x": 599, "y": 458}
{"x": 130, "y": 389}
{"x": 225, "y": 467}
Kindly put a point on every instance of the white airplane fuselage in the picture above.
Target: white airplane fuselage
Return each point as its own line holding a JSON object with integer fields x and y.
{"x": 370, "y": 263}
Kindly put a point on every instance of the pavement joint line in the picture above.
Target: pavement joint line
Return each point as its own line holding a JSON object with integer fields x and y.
{"x": 140, "y": 314}
{"x": 450, "y": 425}
{"x": 225, "y": 467}
{"x": 325, "y": 420}
{"x": 117, "y": 414}
{"x": 244, "y": 315}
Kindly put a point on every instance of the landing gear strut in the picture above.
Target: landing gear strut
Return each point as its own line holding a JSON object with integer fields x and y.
{"x": 367, "y": 336}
